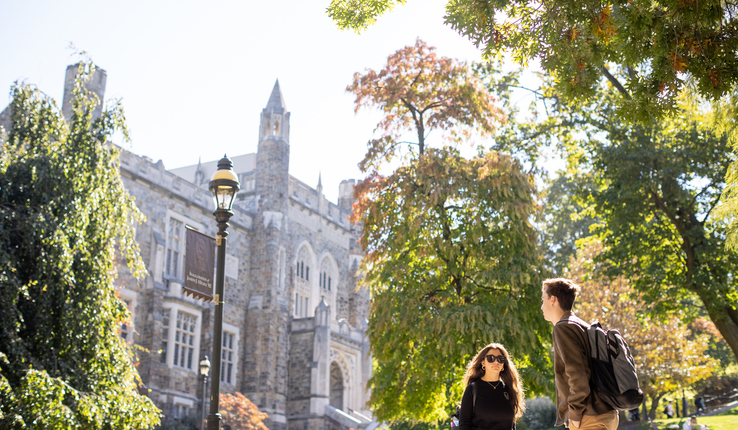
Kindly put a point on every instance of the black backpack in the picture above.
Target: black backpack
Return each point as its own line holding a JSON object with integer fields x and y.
{"x": 614, "y": 376}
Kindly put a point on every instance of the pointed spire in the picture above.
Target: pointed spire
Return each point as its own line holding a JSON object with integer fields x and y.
{"x": 199, "y": 174}
{"x": 276, "y": 101}
{"x": 320, "y": 180}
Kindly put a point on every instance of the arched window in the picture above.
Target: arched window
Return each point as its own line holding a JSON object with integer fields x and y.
{"x": 328, "y": 282}
{"x": 302, "y": 284}
{"x": 327, "y": 274}
{"x": 336, "y": 387}
{"x": 303, "y": 264}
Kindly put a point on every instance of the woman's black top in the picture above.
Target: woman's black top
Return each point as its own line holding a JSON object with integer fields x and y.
{"x": 493, "y": 411}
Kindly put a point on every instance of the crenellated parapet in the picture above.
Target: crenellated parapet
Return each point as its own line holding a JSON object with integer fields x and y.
{"x": 143, "y": 169}
{"x": 311, "y": 200}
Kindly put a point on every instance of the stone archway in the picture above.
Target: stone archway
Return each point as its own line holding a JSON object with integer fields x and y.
{"x": 336, "y": 387}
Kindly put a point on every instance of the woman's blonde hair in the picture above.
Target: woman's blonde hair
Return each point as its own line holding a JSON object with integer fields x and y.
{"x": 509, "y": 376}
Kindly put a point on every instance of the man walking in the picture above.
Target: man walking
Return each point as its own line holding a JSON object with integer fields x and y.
{"x": 669, "y": 410}
{"x": 577, "y": 407}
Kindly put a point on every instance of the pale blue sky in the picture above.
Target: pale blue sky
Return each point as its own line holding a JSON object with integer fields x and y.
{"x": 194, "y": 76}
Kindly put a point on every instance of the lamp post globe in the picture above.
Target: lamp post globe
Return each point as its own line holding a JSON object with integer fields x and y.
{"x": 204, "y": 371}
{"x": 205, "y": 366}
{"x": 224, "y": 186}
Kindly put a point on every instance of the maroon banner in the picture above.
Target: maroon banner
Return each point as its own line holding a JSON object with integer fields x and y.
{"x": 199, "y": 265}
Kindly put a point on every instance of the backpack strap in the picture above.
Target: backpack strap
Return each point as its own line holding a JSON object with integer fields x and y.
{"x": 595, "y": 326}
{"x": 474, "y": 396}
{"x": 592, "y": 327}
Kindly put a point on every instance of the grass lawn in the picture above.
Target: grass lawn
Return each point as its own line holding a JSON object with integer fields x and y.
{"x": 725, "y": 421}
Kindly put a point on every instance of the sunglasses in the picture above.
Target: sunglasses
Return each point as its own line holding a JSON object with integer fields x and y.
{"x": 491, "y": 358}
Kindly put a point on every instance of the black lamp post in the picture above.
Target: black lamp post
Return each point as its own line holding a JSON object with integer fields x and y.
{"x": 204, "y": 370}
{"x": 224, "y": 186}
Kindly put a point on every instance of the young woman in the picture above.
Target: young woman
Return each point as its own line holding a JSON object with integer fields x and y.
{"x": 500, "y": 400}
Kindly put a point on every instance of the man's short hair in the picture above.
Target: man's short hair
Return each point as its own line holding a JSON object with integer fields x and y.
{"x": 565, "y": 291}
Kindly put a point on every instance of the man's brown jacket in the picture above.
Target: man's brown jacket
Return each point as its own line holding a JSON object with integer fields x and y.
{"x": 572, "y": 372}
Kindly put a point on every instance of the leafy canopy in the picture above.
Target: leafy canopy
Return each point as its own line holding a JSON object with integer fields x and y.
{"x": 653, "y": 189}
{"x": 418, "y": 92}
{"x": 452, "y": 264}
{"x": 654, "y": 46}
{"x": 63, "y": 216}
{"x": 451, "y": 256}
{"x": 566, "y": 220}
{"x": 723, "y": 118}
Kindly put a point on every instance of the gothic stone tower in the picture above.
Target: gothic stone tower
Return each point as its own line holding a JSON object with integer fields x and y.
{"x": 294, "y": 321}
{"x": 268, "y": 315}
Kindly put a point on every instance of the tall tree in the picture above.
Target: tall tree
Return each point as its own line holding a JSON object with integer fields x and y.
{"x": 655, "y": 191}
{"x": 667, "y": 355}
{"x": 451, "y": 256}
{"x": 63, "y": 216}
{"x": 652, "y": 45}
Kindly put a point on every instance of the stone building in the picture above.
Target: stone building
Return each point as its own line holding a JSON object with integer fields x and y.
{"x": 294, "y": 321}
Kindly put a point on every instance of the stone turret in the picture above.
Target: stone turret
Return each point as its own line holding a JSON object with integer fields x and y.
{"x": 5, "y": 123}
{"x": 96, "y": 84}
{"x": 273, "y": 154}
{"x": 346, "y": 194}
{"x": 275, "y": 120}
{"x": 265, "y": 369}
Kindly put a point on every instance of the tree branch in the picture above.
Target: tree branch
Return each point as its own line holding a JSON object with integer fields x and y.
{"x": 420, "y": 73}
{"x": 484, "y": 287}
{"x": 691, "y": 262}
{"x": 614, "y": 82}
{"x": 712, "y": 206}
{"x": 431, "y": 106}
{"x": 418, "y": 123}
{"x": 536, "y": 92}
{"x": 696, "y": 196}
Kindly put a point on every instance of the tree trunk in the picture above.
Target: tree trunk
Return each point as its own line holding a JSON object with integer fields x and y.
{"x": 677, "y": 408}
{"x": 729, "y": 330}
{"x": 694, "y": 237}
{"x": 655, "y": 399}
{"x": 725, "y": 319}
{"x": 421, "y": 135}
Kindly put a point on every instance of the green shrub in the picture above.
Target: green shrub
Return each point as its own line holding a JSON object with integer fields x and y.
{"x": 540, "y": 413}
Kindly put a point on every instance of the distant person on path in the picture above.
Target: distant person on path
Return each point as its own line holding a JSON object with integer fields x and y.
{"x": 699, "y": 403}
{"x": 499, "y": 392}
{"x": 577, "y": 407}
{"x": 669, "y": 410}
{"x": 635, "y": 414}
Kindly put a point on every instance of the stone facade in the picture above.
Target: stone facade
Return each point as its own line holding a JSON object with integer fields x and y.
{"x": 294, "y": 319}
